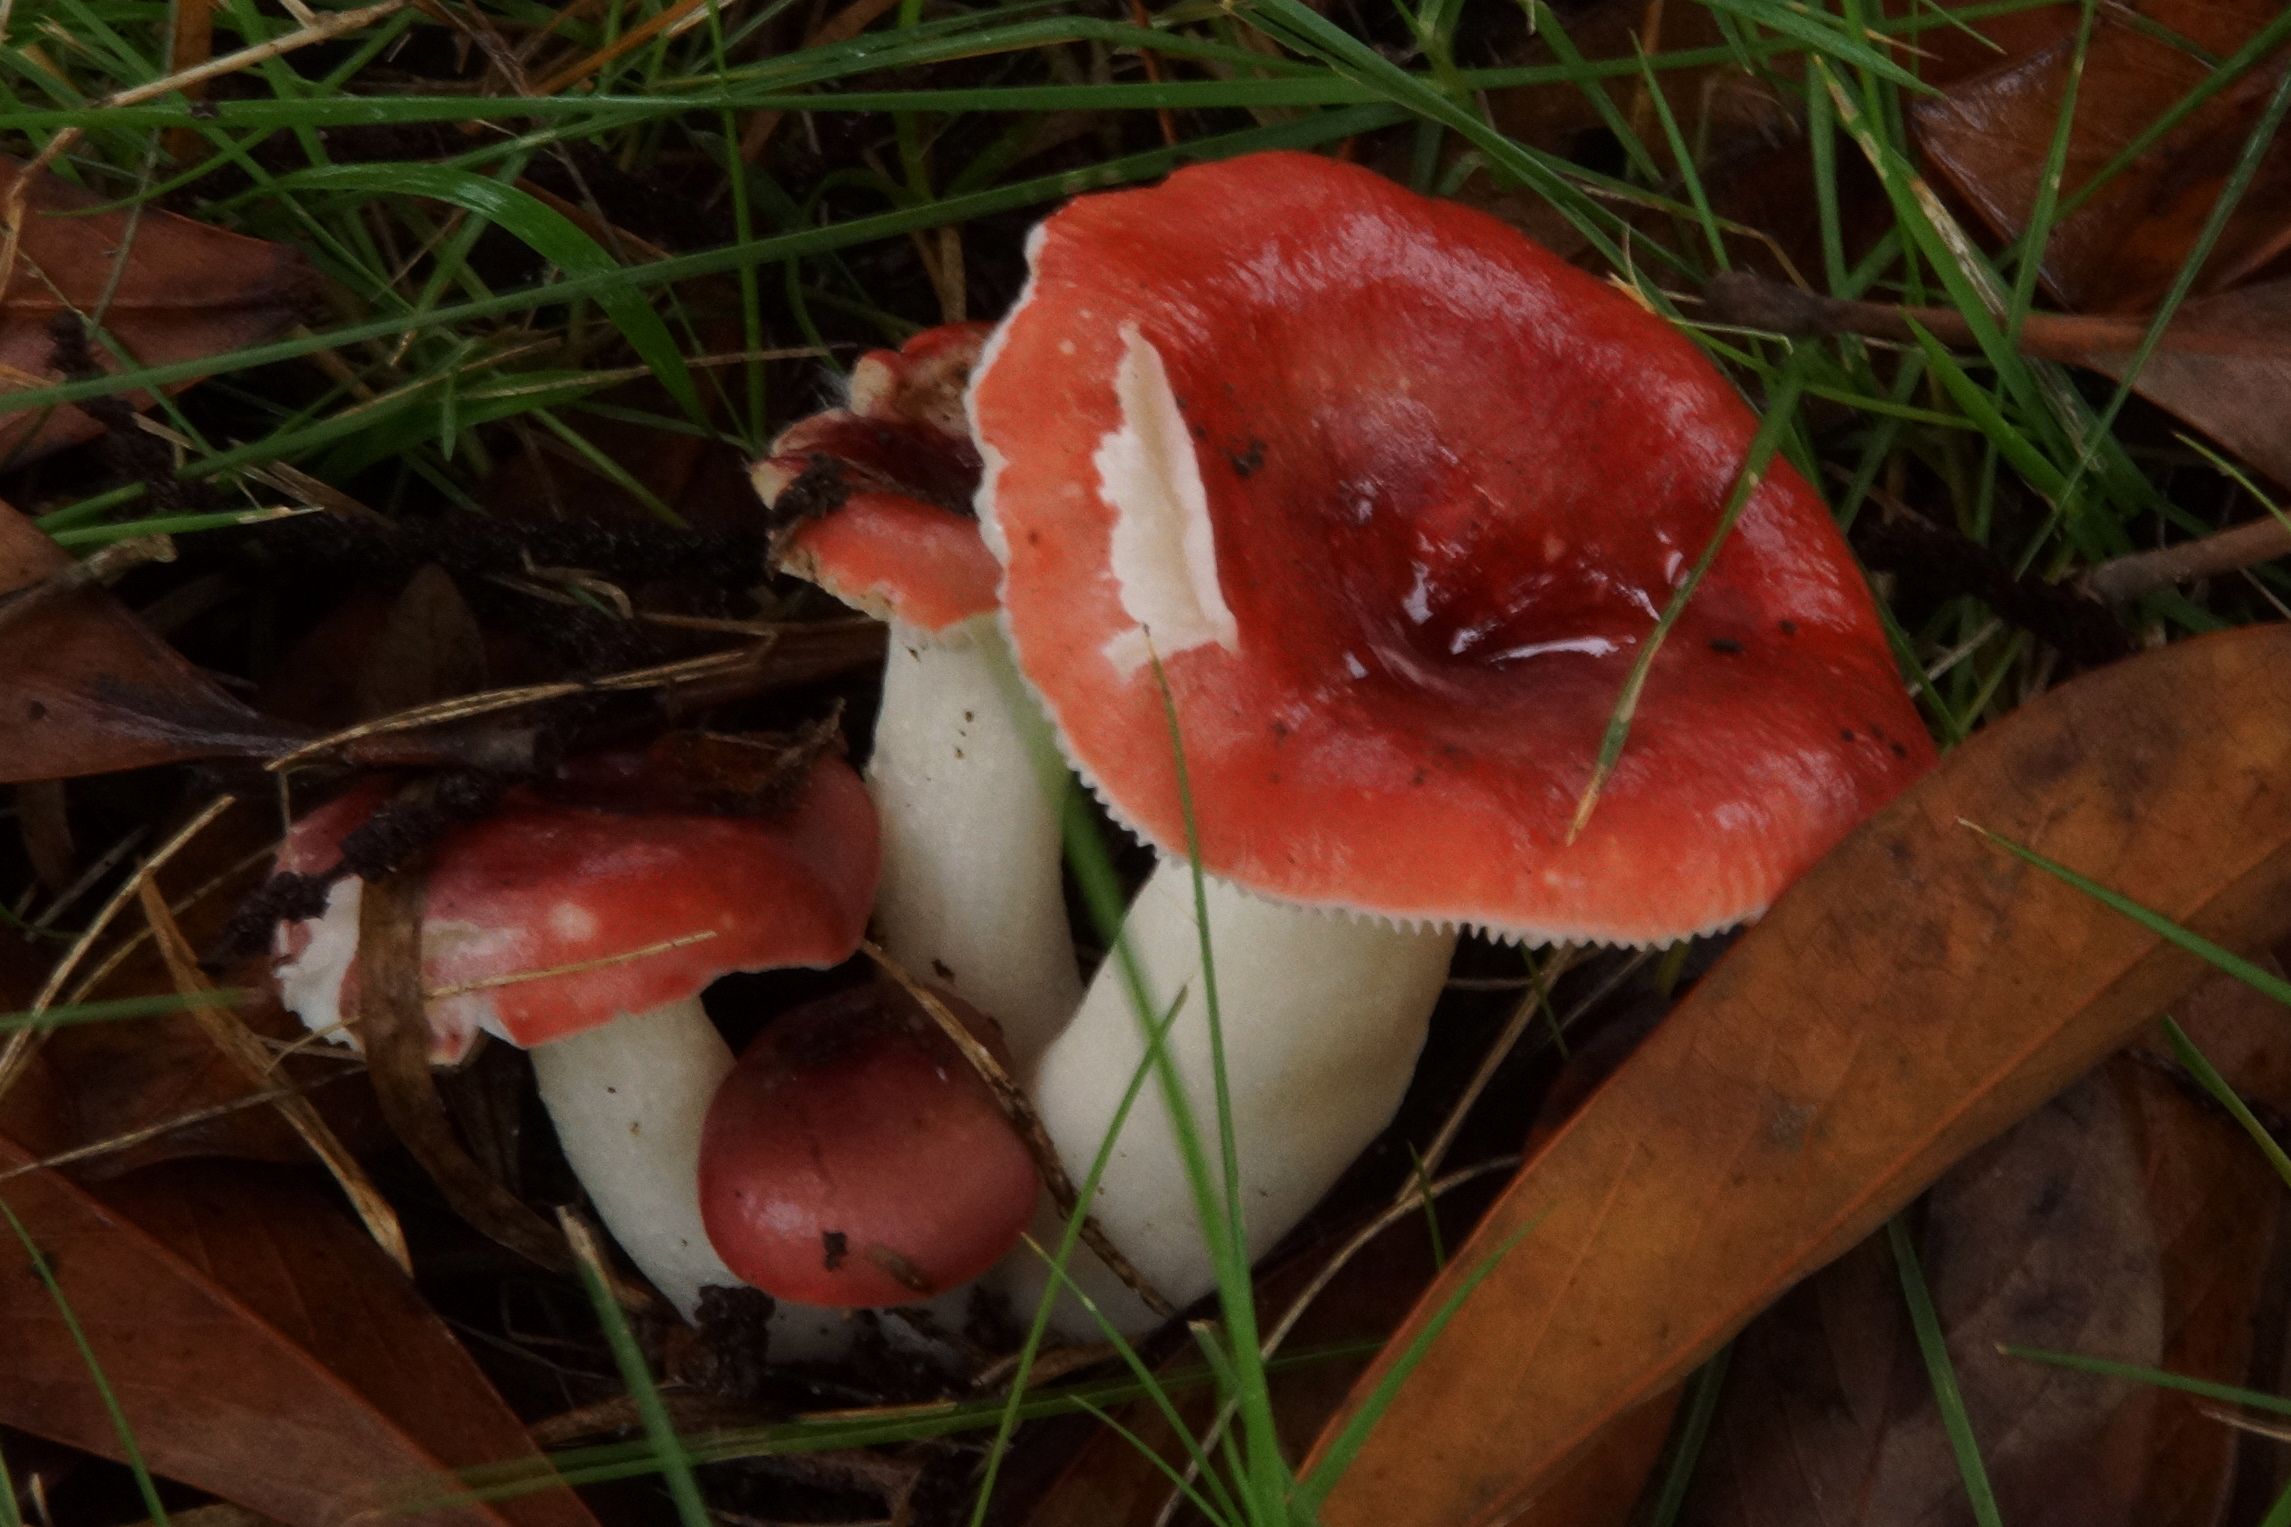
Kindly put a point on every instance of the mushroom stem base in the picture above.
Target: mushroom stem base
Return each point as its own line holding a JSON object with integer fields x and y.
{"x": 1322, "y": 1017}
{"x": 628, "y": 1098}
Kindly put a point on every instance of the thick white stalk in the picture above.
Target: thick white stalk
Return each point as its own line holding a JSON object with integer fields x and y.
{"x": 628, "y": 1098}
{"x": 1322, "y": 1016}
{"x": 971, "y": 895}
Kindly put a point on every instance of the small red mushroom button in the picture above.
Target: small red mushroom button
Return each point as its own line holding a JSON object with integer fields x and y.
{"x": 872, "y": 502}
{"x": 854, "y": 1158}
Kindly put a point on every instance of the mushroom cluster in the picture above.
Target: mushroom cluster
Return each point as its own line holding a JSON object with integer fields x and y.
{"x": 1321, "y": 524}
{"x": 585, "y": 934}
{"x": 1363, "y": 506}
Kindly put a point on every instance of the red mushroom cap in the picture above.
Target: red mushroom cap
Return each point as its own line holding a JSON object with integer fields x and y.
{"x": 874, "y": 499}
{"x": 611, "y": 900}
{"x": 1400, "y": 494}
{"x": 853, "y": 1158}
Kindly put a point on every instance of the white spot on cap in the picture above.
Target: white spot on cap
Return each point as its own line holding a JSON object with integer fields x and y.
{"x": 1164, "y": 543}
{"x": 572, "y": 922}
{"x": 1418, "y": 602}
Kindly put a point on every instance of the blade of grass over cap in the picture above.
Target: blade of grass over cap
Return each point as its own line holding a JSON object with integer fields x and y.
{"x": 1763, "y": 445}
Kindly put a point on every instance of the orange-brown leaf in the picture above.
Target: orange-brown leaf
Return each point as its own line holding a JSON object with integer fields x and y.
{"x": 1916, "y": 993}
{"x": 261, "y": 1348}
{"x": 178, "y": 290}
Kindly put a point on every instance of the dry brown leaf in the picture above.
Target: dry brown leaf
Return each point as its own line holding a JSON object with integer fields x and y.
{"x": 2124, "y": 1220}
{"x": 238, "y": 1044}
{"x": 2243, "y": 401}
{"x": 106, "y": 694}
{"x": 1991, "y": 135}
{"x": 178, "y": 290}
{"x": 1913, "y": 995}
{"x": 394, "y": 1030}
{"x": 259, "y": 1346}
{"x": 429, "y": 648}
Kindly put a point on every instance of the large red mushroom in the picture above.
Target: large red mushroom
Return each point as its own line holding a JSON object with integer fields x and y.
{"x": 1391, "y": 497}
{"x": 586, "y": 936}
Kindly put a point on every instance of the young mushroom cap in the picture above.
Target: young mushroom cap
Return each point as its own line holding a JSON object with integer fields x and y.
{"x": 854, "y": 1158}
{"x": 1395, "y": 496}
{"x": 872, "y": 501}
{"x": 543, "y": 920}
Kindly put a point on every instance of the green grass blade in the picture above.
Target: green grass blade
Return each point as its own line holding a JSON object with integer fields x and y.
{"x": 2157, "y": 1378}
{"x": 1318, "y": 128}
{"x": 544, "y": 230}
{"x": 2200, "y": 1067}
{"x": 1687, "y": 1439}
{"x": 1821, "y": 35}
{"x": 1933, "y": 1344}
{"x": 669, "y": 1454}
{"x": 1763, "y": 445}
{"x": 115, "y": 1009}
{"x": 129, "y": 1451}
{"x": 2212, "y": 954}
{"x": 1221, "y": 1214}
{"x": 1346, "y": 1446}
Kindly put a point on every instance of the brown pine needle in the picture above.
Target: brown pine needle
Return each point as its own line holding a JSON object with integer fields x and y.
{"x": 520, "y": 977}
{"x": 16, "y": 1054}
{"x": 1019, "y": 1110}
{"x": 242, "y": 1049}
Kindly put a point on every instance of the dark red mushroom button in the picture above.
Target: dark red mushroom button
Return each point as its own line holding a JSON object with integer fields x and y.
{"x": 854, "y": 1158}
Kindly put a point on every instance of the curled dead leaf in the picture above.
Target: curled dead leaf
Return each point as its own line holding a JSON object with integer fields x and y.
{"x": 1991, "y": 135}
{"x": 2123, "y": 1220}
{"x": 106, "y": 693}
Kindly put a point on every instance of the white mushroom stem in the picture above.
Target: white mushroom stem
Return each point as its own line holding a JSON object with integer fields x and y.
{"x": 1322, "y": 1016}
{"x": 628, "y": 1098}
{"x": 971, "y": 895}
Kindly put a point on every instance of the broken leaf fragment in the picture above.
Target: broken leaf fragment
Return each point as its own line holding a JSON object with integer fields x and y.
{"x": 158, "y": 289}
